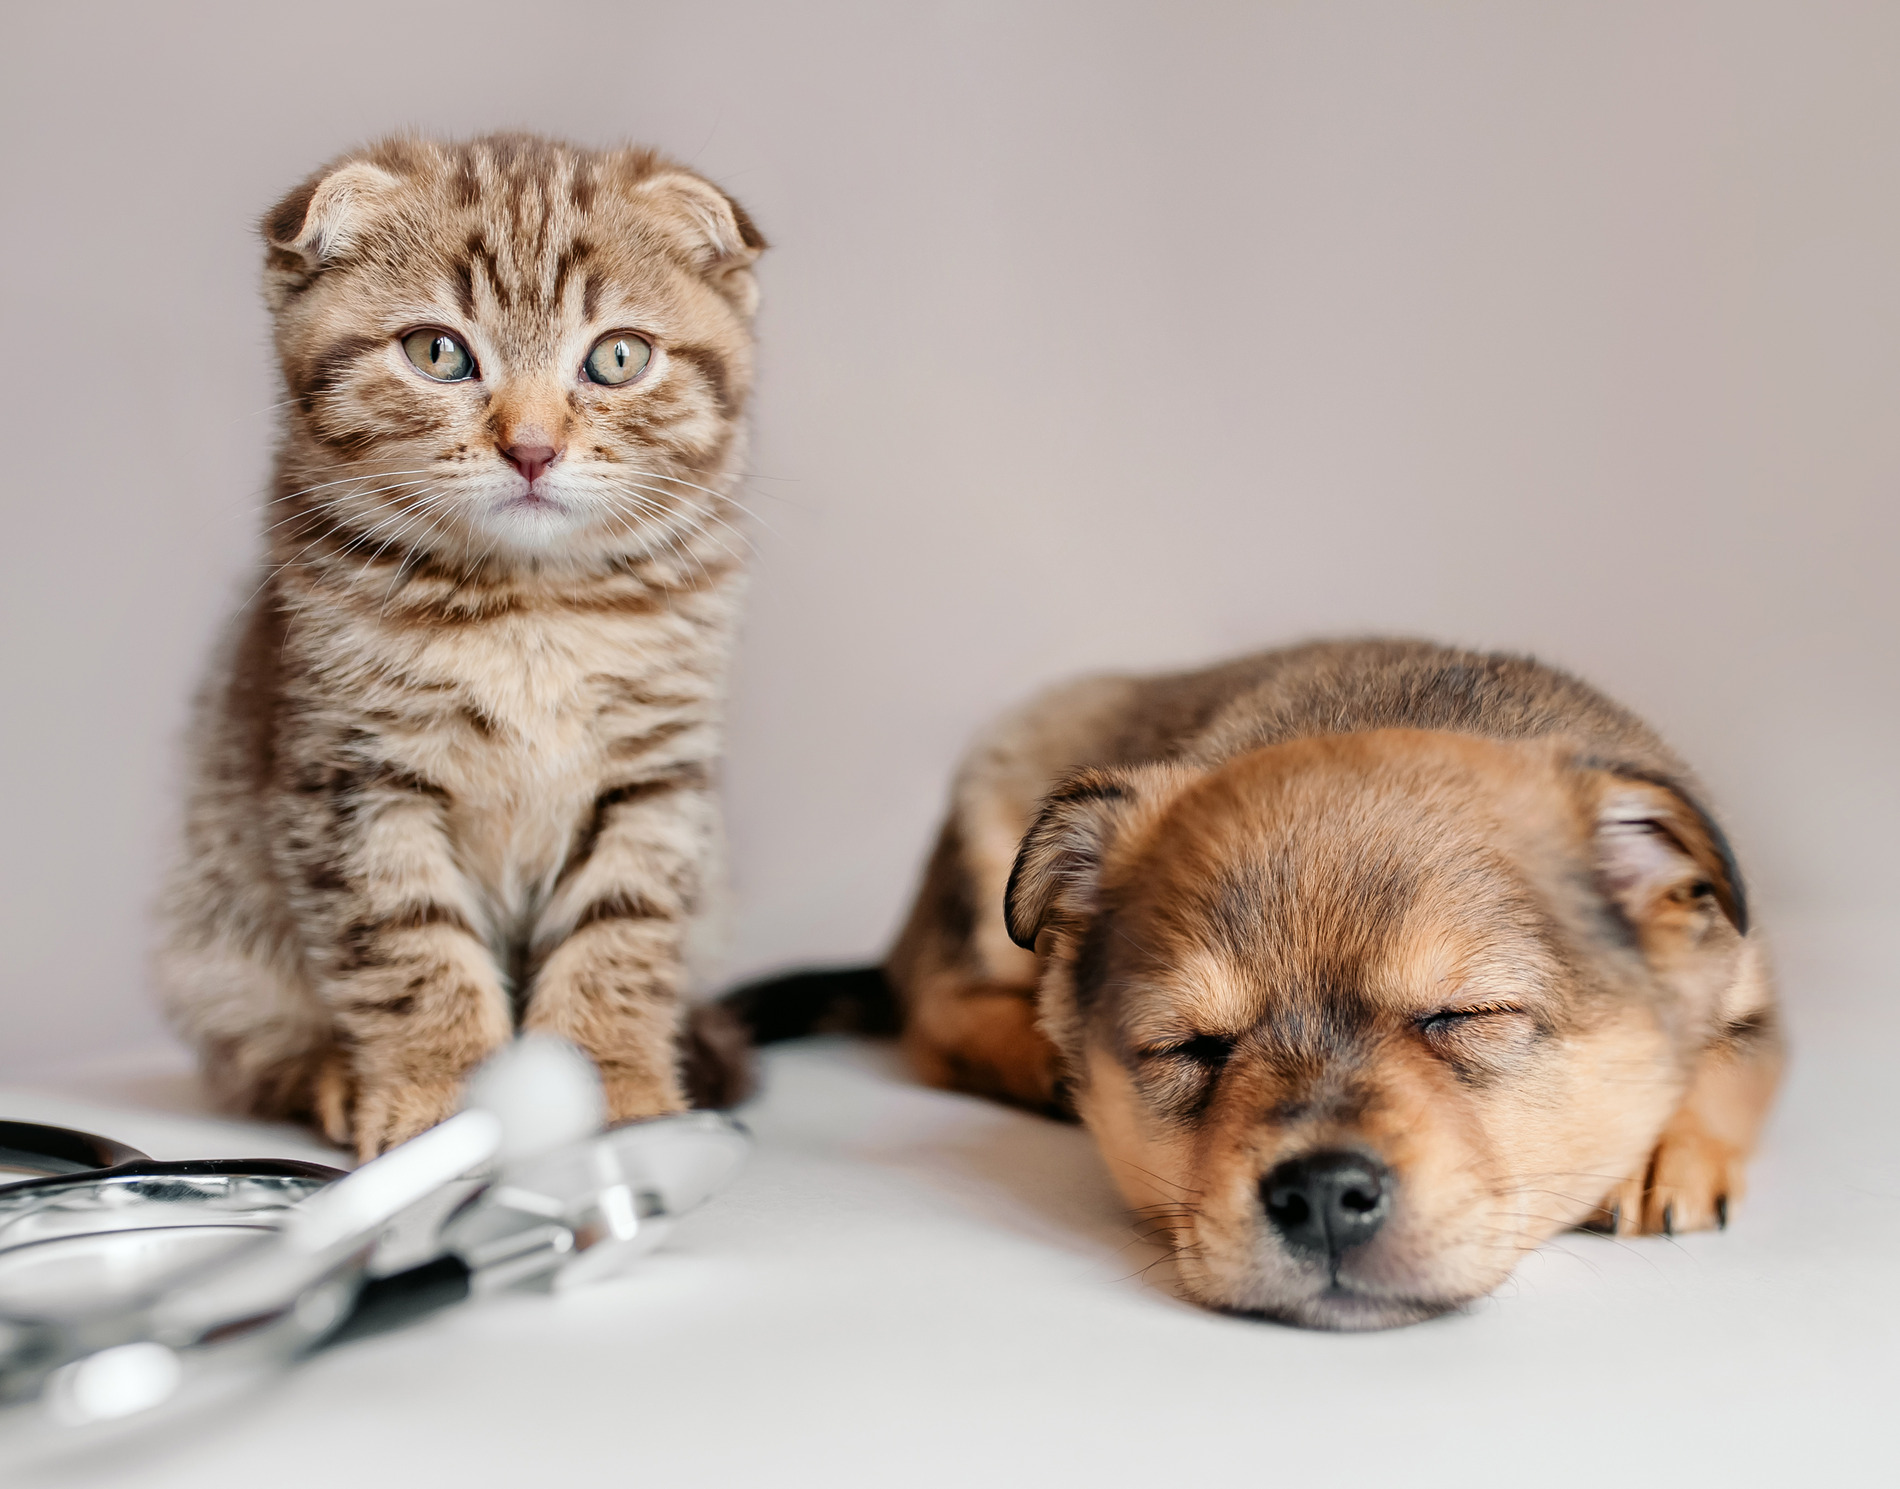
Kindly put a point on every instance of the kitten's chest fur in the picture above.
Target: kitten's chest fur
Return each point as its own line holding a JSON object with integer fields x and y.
{"x": 524, "y": 721}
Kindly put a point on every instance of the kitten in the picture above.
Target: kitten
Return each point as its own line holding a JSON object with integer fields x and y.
{"x": 452, "y": 776}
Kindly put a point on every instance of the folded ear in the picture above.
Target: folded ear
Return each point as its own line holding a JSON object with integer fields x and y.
{"x": 326, "y": 214}
{"x": 1058, "y": 868}
{"x": 1658, "y": 853}
{"x": 714, "y": 229}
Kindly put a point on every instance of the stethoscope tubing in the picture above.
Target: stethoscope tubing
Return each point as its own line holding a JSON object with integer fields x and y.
{"x": 54, "y": 1152}
{"x": 64, "y": 1155}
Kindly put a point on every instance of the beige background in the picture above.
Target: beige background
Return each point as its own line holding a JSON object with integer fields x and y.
{"x": 1096, "y": 335}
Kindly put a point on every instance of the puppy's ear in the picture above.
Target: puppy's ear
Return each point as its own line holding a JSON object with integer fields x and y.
{"x": 1659, "y": 856}
{"x": 322, "y": 218}
{"x": 1058, "y": 868}
{"x": 714, "y": 229}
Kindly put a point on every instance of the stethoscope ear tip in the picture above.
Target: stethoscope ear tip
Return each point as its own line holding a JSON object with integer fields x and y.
{"x": 543, "y": 1090}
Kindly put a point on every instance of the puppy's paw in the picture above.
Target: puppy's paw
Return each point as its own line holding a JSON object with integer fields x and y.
{"x": 385, "y": 1114}
{"x": 1030, "y": 1076}
{"x": 1693, "y": 1181}
{"x": 994, "y": 1049}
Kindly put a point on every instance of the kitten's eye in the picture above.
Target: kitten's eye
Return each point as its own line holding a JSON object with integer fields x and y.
{"x": 617, "y": 359}
{"x": 439, "y": 355}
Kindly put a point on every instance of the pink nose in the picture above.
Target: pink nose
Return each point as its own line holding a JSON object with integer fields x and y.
{"x": 531, "y": 460}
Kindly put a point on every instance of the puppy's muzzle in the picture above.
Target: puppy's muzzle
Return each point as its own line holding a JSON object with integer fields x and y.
{"x": 1323, "y": 1204}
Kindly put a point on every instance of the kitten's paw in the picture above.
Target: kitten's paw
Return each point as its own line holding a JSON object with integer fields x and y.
{"x": 387, "y": 1114}
{"x": 630, "y": 1097}
{"x": 1692, "y": 1182}
{"x": 332, "y": 1088}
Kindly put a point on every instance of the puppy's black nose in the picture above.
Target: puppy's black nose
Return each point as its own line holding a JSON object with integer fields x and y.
{"x": 1325, "y": 1202}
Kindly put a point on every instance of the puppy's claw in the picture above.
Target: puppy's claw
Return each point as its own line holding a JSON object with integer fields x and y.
{"x": 1604, "y": 1222}
{"x": 1687, "y": 1185}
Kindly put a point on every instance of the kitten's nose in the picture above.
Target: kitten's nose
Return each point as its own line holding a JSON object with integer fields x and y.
{"x": 531, "y": 460}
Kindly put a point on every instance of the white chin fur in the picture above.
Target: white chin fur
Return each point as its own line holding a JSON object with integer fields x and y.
{"x": 541, "y": 528}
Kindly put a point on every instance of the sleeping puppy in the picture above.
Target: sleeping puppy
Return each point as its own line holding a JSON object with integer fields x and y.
{"x": 1370, "y": 966}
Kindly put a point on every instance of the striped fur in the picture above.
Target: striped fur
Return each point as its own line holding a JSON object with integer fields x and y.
{"x": 453, "y": 771}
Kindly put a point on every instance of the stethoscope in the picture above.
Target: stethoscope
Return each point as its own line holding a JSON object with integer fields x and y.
{"x": 83, "y": 1217}
{"x": 132, "y": 1289}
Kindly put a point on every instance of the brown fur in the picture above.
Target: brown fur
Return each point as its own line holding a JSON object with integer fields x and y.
{"x": 454, "y": 772}
{"x": 1457, "y": 912}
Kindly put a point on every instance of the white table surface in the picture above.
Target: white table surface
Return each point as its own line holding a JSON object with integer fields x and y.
{"x": 910, "y": 1288}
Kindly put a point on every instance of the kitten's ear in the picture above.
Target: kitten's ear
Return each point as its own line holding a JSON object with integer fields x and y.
{"x": 1659, "y": 856}
{"x": 1058, "y": 871}
{"x": 324, "y": 216}
{"x": 715, "y": 230}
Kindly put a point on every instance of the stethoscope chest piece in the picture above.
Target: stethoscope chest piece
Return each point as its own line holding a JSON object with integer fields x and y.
{"x": 588, "y": 1209}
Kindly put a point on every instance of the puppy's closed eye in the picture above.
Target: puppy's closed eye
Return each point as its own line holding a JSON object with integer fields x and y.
{"x": 1478, "y": 1033}
{"x": 1209, "y": 1051}
{"x": 1179, "y": 1076}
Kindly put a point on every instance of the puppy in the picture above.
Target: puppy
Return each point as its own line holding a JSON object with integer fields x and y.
{"x": 1369, "y": 965}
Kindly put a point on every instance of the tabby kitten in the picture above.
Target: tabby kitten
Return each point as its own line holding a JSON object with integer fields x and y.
{"x": 453, "y": 773}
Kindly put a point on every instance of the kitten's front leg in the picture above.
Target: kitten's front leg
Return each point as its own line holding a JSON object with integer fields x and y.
{"x": 610, "y": 943}
{"x": 415, "y": 994}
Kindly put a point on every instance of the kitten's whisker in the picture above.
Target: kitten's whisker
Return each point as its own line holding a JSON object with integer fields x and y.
{"x": 272, "y": 571}
{"x": 625, "y": 524}
{"x": 725, "y": 496}
{"x": 654, "y": 475}
{"x": 269, "y": 501}
{"x": 330, "y": 504}
{"x": 415, "y": 549}
{"x": 345, "y": 480}
{"x": 336, "y": 503}
{"x": 641, "y": 508}
{"x": 410, "y": 517}
{"x": 363, "y": 537}
{"x": 360, "y": 540}
{"x": 692, "y": 509}
{"x": 664, "y": 531}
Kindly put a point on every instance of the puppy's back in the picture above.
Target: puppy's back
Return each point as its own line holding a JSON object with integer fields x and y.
{"x": 1346, "y": 687}
{"x": 1324, "y": 687}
